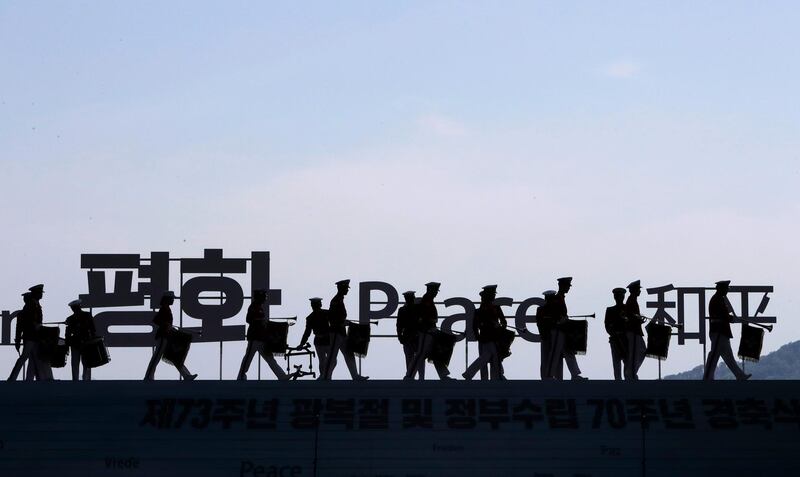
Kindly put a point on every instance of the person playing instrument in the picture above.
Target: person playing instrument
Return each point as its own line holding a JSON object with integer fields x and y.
{"x": 633, "y": 333}
{"x": 428, "y": 317}
{"x": 545, "y": 322}
{"x": 407, "y": 327}
{"x": 721, "y": 315}
{"x": 337, "y": 318}
{"x": 163, "y": 322}
{"x": 80, "y": 329}
{"x": 615, "y": 327}
{"x": 558, "y": 352}
{"x": 257, "y": 321}
{"x": 317, "y": 321}
{"x": 486, "y": 323}
{"x": 29, "y": 321}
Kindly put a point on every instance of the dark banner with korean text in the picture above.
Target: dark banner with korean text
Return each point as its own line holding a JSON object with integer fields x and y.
{"x": 392, "y": 428}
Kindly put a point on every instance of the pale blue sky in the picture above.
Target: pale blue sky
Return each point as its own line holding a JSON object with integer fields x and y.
{"x": 611, "y": 141}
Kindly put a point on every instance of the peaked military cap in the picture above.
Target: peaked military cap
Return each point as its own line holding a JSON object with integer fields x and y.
{"x": 316, "y": 299}
{"x": 619, "y": 291}
{"x": 565, "y": 280}
{"x": 36, "y": 288}
{"x": 490, "y": 288}
{"x": 409, "y": 293}
{"x": 77, "y": 303}
{"x": 549, "y": 292}
{"x": 635, "y": 284}
{"x": 433, "y": 285}
{"x": 723, "y": 283}
{"x": 345, "y": 283}
{"x": 26, "y": 294}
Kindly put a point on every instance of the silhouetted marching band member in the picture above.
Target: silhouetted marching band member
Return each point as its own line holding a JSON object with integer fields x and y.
{"x": 29, "y": 321}
{"x": 428, "y": 317}
{"x": 559, "y": 353}
{"x": 163, "y": 322}
{"x": 633, "y": 333}
{"x": 80, "y": 329}
{"x": 317, "y": 321}
{"x": 546, "y": 322}
{"x": 615, "y": 327}
{"x": 487, "y": 321}
{"x": 721, "y": 315}
{"x": 407, "y": 322}
{"x": 256, "y": 334}
{"x": 337, "y": 317}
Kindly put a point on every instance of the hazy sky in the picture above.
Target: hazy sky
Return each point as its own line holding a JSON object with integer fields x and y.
{"x": 406, "y": 141}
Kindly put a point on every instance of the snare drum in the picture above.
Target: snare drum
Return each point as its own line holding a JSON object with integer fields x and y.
{"x": 275, "y": 336}
{"x": 504, "y": 339}
{"x": 751, "y": 342}
{"x": 658, "y": 337}
{"x": 358, "y": 339}
{"x": 94, "y": 353}
{"x": 58, "y": 358}
{"x": 442, "y": 348}
{"x": 177, "y": 347}
{"x": 575, "y": 336}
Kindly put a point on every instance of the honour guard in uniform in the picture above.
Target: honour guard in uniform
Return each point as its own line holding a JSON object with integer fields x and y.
{"x": 337, "y": 318}
{"x": 546, "y": 322}
{"x": 633, "y": 333}
{"x": 317, "y": 321}
{"x": 407, "y": 319}
{"x": 163, "y": 322}
{"x": 721, "y": 316}
{"x": 615, "y": 327}
{"x": 428, "y": 317}
{"x": 29, "y": 321}
{"x": 559, "y": 353}
{"x": 80, "y": 329}
{"x": 487, "y": 321}
{"x": 256, "y": 330}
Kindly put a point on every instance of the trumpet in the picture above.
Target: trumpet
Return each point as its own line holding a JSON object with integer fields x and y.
{"x": 671, "y": 325}
{"x": 581, "y": 316}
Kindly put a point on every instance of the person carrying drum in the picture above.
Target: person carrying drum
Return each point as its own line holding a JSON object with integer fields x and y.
{"x": 407, "y": 318}
{"x": 337, "y": 318}
{"x": 558, "y": 352}
{"x": 486, "y": 323}
{"x": 546, "y": 322}
{"x": 80, "y": 329}
{"x": 163, "y": 322}
{"x": 615, "y": 327}
{"x": 721, "y": 315}
{"x": 256, "y": 334}
{"x": 428, "y": 317}
{"x": 317, "y": 321}
{"x": 633, "y": 333}
{"x": 29, "y": 321}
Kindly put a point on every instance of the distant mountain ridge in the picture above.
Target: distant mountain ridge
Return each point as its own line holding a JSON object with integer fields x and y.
{"x": 783, "y": 363}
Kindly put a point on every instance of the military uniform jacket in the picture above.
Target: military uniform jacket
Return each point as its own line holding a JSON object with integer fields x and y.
{"x": 317, "y": 321}
{"x": 720, "y": 315}
{"x": 428, "y": 316}
{"x": 488, "y": 319}
{"x": 615, "y": 320}
{"x": 163, "y": 320}
{"x": 29, "y": 321}
{"x": 257, "y": 321}
{"x": 337, "y": 315}
{"x": 559, "y": 309}
{"x": 545, "y": 321}
{"x": 407, "y": 324}
{"x": 80, "y": 328}
{"x": 633, "y": 324}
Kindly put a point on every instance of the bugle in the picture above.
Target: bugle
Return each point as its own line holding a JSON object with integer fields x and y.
{"x": 581, "y": 316}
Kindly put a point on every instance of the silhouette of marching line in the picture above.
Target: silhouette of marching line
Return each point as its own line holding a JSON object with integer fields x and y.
{"x": 563, "y": 337}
